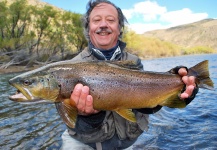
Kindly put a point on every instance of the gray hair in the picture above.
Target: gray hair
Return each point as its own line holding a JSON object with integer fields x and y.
{"x": 90, "y": 5}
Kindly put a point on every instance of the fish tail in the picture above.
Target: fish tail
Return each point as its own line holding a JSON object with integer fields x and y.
{"x": 201, "y": 72}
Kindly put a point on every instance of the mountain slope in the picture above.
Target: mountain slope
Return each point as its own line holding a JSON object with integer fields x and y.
{"x": 201, "y": 33}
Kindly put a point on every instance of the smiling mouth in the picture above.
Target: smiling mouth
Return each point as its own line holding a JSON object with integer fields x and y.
{"x": 103, "y": 33}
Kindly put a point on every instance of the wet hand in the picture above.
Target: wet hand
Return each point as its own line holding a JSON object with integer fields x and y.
{"x": 83, "y": 100}
{"x": 189, "y": 82}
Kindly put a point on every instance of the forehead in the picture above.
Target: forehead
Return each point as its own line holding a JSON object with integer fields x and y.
{"x": 104, "y": 9}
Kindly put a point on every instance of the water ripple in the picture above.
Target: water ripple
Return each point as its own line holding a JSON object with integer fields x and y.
{"x": 40, "y": 127}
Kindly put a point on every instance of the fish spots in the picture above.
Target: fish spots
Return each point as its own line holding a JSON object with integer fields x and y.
{"x": 52, "y": 76}
{"x": 112, "y": 73}
{"x": 42, "y": 80}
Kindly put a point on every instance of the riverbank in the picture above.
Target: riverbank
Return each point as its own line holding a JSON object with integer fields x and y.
{"x": 16, "y": 69}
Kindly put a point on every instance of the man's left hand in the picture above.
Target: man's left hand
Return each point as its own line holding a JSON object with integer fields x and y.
{"x": 189, "y": 82}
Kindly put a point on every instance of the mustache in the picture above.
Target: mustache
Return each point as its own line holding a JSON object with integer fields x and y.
{"x": 103, "y": 30}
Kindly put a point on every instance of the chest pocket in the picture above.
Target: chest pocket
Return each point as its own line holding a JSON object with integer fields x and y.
{"x": 102, "y": 133}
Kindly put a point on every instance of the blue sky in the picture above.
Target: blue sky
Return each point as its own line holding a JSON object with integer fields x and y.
{"x": 147, "y": 15}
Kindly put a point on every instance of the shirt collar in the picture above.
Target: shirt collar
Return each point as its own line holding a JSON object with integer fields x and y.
{"x": 111, "y": 54}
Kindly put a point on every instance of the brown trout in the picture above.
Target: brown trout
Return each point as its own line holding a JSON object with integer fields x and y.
{"x": 115, "y": 86}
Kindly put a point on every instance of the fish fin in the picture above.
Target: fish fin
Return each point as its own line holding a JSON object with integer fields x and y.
{"x": 174, "y": 102}
{"x": 201, "y": 72}
{"x": 67, "y": 112}
{"x": 127, "y": 114}
{"x": 128, "y": 64}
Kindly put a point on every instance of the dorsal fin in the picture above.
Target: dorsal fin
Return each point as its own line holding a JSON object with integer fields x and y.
{"x": 128, "y": 64}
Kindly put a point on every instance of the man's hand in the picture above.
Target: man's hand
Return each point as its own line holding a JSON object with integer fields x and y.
{"x": 83, "y": 100}
{"x": 189, "y": 82}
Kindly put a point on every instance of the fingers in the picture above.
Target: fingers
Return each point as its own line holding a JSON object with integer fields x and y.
{"x": 89, "y": 106}
{"x": 83, "y": 100}
{"x": 75, "y": 96}
{"x": 188, "y": 92}
{"x": 190, "y": 85}
{"x": 189, "y": 80}
{"x": 182, "y": 72}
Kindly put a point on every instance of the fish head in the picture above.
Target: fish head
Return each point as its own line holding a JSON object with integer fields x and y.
{"x": 35, "y": 86}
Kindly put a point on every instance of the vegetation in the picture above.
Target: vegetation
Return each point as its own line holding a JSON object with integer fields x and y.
{"x": 147, "y": 47}
{"x": 191, "y": 36}
{"x": 38, "y": 34}
{"x": 198, "y": 50}
{"x": 35, "y": 34}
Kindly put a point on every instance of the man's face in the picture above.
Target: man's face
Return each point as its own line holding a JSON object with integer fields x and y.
{"x": 104, "y": 26}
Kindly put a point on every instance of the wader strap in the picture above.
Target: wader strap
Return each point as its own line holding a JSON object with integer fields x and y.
{"x": 98, "y": 146}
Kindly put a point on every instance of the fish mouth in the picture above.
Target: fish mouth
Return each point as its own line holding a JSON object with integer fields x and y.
{"x": 20, "y": 97}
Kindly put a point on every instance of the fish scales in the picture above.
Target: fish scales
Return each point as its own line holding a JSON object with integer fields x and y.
{"x": 114, "y": 86}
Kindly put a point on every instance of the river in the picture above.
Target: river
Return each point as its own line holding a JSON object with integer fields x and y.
{"x": 33, "y": 127}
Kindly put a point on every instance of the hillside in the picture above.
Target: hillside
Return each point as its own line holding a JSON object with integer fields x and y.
{"x": 201, "y": 33}
{"x": 39, "y": 3}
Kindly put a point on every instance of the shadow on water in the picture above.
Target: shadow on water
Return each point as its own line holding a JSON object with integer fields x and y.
{"x": 194, "y": 127}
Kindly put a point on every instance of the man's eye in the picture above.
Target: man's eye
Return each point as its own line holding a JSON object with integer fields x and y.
{"x": 111, "y": 20}
{"x": 97, "y": 20}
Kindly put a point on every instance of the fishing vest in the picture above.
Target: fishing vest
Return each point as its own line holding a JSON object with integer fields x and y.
{"x": 113, "y": 123}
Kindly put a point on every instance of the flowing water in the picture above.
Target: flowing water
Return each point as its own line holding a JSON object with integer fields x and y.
{"x": 38, "y": 126}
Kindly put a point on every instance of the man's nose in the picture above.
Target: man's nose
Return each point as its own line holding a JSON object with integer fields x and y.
{"x": 103, "y": 24}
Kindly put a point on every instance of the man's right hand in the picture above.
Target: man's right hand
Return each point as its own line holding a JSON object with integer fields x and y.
{"x": 83, "y": 100}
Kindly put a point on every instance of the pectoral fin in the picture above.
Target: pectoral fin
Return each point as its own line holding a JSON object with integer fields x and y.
{"x": 174, "y": 103}
{"x": 67, "y": 112}
{"x": 127, "y": 114}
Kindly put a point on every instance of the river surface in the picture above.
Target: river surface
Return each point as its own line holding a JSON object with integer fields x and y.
{"x": 33, "y": 127}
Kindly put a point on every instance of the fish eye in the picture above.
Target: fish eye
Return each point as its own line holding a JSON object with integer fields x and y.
{"x": 26, "y": 82}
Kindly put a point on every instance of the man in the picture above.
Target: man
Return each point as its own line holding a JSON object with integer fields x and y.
{"x": 103, "y": 23}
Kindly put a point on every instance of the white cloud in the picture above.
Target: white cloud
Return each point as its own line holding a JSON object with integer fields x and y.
{"x": 128, "y": 13}
{"x": 149, "y": 10}
{"x": 182, "y": 16}
{"x": 140, "y": 28}
{"x": 151, "y": 16}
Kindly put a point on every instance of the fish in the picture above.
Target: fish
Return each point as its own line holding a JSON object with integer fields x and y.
{"x": 117, "y": 86}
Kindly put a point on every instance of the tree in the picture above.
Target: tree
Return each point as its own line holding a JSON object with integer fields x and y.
{"x": 43, "y": 19}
